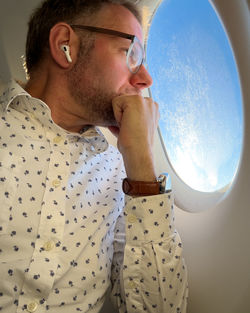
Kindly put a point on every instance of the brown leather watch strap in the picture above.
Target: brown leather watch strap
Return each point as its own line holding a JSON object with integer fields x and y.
{"x": 140, "y": 188}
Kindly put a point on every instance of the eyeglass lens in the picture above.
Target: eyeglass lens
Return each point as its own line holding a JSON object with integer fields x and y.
{"x": 135, "y": 56}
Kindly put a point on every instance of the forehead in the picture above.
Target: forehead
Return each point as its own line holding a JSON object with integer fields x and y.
{"x": 117, "y": 17}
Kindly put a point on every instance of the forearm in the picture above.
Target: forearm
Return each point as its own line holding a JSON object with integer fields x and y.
{"x": 153, "y": 276}
{"x": 137, "y": 118}
{"x": 139, "y": 165}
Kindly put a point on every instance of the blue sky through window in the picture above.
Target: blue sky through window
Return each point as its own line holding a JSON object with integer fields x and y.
{"x": 196, "y": 85}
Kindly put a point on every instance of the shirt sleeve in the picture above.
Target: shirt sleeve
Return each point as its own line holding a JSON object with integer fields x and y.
{"x": 149, "y": 273}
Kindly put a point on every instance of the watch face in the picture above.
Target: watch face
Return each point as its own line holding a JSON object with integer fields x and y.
{"x": 162, "y": 181}
{"x": 165, "y": 183}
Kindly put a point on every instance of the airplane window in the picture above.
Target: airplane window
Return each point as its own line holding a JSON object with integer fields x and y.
{"x": 197, "y": 87}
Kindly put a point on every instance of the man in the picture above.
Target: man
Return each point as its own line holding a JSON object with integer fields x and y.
{"x": 67, "y": 231}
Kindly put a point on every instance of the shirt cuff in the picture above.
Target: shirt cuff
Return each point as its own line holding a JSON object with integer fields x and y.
{"x": 149, "y": 218}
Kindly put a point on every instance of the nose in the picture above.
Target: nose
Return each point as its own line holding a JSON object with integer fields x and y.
{"x": 141, "y": 79}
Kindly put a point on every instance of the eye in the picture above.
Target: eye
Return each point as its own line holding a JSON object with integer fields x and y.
{"x": 132, "y": 53}
{"x": 125, "y": 50}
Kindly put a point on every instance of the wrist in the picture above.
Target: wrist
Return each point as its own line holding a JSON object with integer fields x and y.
{"x": 140, "y": 167}
{"x": 145, "y": 188}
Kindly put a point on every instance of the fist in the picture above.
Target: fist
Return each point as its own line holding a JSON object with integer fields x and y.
{"x": 137, "y": 118}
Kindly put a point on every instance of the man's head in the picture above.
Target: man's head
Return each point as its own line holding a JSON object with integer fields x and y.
{"x": 50, "y": 12}
{"x": 100, "y": 69}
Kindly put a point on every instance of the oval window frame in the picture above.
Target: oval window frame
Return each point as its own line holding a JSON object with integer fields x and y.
{"x": 187, "y": 198}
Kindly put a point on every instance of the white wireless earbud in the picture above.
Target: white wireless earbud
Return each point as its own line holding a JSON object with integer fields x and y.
{"x": 65, "y": 49}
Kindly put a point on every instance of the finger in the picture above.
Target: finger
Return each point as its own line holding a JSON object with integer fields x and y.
{"x": 118, "y": 108}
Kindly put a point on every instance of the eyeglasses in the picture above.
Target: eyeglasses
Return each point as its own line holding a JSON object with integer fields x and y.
{"x": 135, "y": 54}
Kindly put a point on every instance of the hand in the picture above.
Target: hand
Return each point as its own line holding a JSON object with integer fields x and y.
{"x": 137, "y": 118}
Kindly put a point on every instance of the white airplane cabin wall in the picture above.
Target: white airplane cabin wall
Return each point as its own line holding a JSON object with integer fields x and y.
{"x": 216, "y": 240}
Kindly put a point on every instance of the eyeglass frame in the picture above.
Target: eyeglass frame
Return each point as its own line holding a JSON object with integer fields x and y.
{"x": 118, "y": 34}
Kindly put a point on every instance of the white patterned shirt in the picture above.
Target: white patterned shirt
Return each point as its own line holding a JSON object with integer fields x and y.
{"x": 66, "y": 236}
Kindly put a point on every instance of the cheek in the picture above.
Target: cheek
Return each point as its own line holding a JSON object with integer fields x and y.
{"x": 112, "y": 70}
{"x": 117, "y": 74}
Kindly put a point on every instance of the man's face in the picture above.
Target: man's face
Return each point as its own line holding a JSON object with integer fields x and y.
{"x": 103, "y": 74}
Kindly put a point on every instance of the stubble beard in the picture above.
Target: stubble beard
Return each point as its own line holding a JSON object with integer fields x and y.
{"x": 90, "y": 94}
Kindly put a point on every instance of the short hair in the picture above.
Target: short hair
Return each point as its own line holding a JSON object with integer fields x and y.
{"x": 51, "y": 12}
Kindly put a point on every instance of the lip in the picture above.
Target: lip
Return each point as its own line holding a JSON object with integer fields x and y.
{"x": 133, "y": 93}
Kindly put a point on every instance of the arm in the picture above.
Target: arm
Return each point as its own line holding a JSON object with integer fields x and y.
{"x": 148, "y": 269}
{"x": 149, "y": 273}
{"x": 137, "y": 118}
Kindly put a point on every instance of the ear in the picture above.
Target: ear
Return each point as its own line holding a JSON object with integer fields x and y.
{"x": 62, "y": 34}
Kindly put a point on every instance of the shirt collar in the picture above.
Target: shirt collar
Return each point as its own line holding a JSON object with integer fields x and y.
{"x": 11, "y": 91}
{"x": 92, "y": 135}
{"x": 96, "y": 139}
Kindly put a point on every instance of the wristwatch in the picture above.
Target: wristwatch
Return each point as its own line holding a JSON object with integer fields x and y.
{"x": 145, "y": 188}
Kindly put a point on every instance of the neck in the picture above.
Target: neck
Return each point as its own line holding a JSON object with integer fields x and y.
{"x": 53, "y": 92}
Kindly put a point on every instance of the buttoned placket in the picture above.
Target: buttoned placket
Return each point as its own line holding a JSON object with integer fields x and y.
{"x": 50, "y": 231}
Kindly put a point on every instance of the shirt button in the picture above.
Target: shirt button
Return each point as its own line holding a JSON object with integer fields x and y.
{"x": 132, "y": 285}
{"x": 132, "y": 218}
{"x": 32, "y": 307}
{"x": 49, "y": 245}
{"x": 57, "y": 139}
{"x": 56, "y": 183}
{"x": 32, "y": 115}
